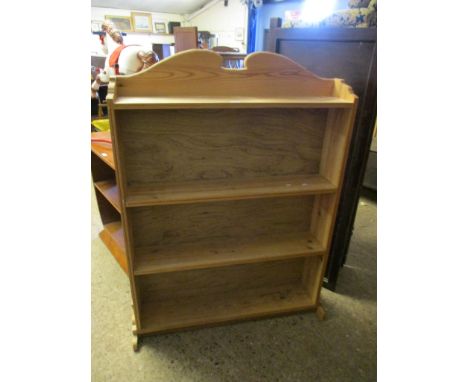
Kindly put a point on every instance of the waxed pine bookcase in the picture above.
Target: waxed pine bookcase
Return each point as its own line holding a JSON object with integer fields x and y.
{"x": 228, "y": 182}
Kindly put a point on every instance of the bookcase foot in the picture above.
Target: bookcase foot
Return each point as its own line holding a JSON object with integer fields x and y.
{"x": 135, "y": 343}
{"x": 320, "y": 312}
{"x": 135, "y": 339}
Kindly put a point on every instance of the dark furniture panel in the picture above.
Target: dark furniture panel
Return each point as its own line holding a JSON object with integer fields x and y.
{"x": 185, "y": 38}
{"x": 343, "y": 59}
{"x": 350, "y": 54}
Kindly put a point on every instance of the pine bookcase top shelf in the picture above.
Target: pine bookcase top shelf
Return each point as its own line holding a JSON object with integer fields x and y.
{"x": 204, "y": 191}
{"x": 196, "y": 79}
{"x": 228, "y": 102}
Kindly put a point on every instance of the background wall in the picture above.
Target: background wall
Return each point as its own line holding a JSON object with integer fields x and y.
{"x": 215, "y": 17}
{"x": 144, "y": 39}
{"x": 223, "y": 21}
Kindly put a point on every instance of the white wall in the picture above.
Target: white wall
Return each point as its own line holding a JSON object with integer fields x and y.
{"x": 222, "y": 21}
{"x": 144, "y": 39}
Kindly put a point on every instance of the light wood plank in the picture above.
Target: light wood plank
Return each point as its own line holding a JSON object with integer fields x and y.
{"x": 121, "y": 178}
{"x": 103, "y": 149}
{"x": 200, "y": 73}
{"x": 153, "y": 260}
{"x": 132, "y": 103}
{"x": 203, "y": 191}
{"x": 113, "y": 237}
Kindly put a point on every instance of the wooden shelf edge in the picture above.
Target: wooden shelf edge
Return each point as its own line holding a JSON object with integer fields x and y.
{"x": 110, "y": 190}
{"x": 212, "y": 191}
{"x": 220, "y": 264}
{"x": 113, "y": 237}
{"x": 218, "y": 255}
{"x": 122, "y": 103}
{"x": 103, "y": 150}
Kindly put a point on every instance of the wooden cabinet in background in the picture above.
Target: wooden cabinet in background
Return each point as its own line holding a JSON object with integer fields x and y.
{"x": 229, "y": 181}
{"x": 185, "y": 38}
{"x": 350, "y": 54}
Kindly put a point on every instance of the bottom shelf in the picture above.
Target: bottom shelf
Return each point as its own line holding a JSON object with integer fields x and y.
{"x": 113, "y": 237}
{"x": 188, "y": 299}
{"x": 209, "y": 310}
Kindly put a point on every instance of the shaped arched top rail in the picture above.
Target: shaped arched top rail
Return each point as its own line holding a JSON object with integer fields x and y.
{"x": 196, "y": 79}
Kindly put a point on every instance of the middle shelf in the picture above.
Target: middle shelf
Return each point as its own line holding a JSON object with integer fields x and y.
{"x": 265, "y": 248}
{"x": 213, "y": 190}
{"x": 109, "y": 189}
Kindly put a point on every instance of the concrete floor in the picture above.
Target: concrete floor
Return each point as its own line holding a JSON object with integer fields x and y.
{"x": 292, "y": 348}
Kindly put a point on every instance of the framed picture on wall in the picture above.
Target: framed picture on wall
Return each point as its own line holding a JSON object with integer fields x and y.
{"x": 122, "y": 23}
{"x": 142, "y": 22}
{"x": 160, "y": 27}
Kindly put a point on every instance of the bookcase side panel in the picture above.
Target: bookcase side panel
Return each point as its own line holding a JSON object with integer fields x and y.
{"x": 121, "y": 176}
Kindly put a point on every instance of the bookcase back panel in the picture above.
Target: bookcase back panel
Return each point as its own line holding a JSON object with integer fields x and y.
{"x": 225, "y": 280}
{"x": 219, "y": 221}
{"x": 195, "y": 145}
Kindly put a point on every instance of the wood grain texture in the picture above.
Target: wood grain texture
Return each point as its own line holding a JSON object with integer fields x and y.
{"x": 181, "y": 146}
{"x": 200, "y": 73}
{"x": 222, "y": 294}
{"x": 125, "y": 220}
{"x": 100, "y": 170}
{"x": 113, "y": 237}
{"x": 214, "y": 190}
{"x": 166, "y": 286}
{"x": 219, "y": 221}
{"x": 109, "y": 189}
{"x": 107, "y": 211}
{"x": 310, "y": 277}
{"x": 102, "y": 149}
{"x": 335, "y": 144}
{"x": 210, "y": 309}
{"x": 203, "y": 172}
{"x": 160, "y": 259}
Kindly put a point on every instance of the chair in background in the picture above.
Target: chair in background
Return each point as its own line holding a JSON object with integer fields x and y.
{"x": 223, "y": 49}
{"x": 231, "y": 56}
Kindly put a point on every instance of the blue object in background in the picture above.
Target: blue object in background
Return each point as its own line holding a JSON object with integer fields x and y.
{"x": 264, "y": 14}
{"x": 252, "y": 26}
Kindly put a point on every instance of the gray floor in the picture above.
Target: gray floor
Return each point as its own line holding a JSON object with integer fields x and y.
{"x": 292, "y": 348}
